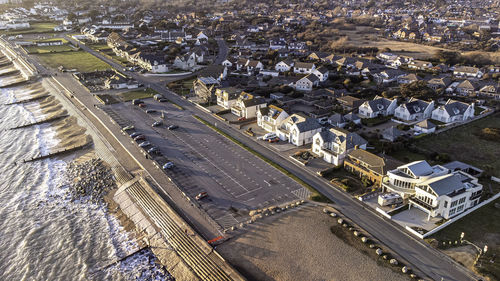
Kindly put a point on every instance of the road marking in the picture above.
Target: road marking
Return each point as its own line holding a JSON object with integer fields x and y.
{"x": 267, "y": 182}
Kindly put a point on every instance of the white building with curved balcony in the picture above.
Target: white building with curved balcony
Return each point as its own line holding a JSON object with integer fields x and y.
{"x": 403, "y": 179}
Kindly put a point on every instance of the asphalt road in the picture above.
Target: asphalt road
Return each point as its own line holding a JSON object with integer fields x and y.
{"x": 420, "y": 255}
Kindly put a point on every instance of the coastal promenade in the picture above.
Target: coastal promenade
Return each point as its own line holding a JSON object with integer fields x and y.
{"x": 181, "y": 249}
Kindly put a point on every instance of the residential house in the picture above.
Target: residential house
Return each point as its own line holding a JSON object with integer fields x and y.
{"x": 304, "y": 67}
{"x": 379, "y": 106}
{"x": 334, "y": 144}
{"x": 204, "y": 88}
{"x": 491, "y": 90}
{"x": 453, "y": 111}
{"x": 420, "y": 65}
{"x": 284, "y": 66}
{"x": 186, "y": 61}
{"x": 270, "y": 118}
{"x": 365, "y": 165}
{"x": 439, "y": 83}
{"x": 425, "y": 127}
{"x": 466, "y": 88}
{"x": 153, "y": 62}
{"x": 307, "y": 82}
{"x": 388, "y": 76}
{"x": 247, "y": 105}
{"x": 447, "y": 195}
{"x": 408, "y": 78}
{"x": 337, "y": 120}
{"x": 227, "y": 96}
{"x": 349, "y": 102}
{"x": 468, "y": 71}
{"x": 298, "y": 129}
{"x": 351, "y": 117}
{"x": 322, "y": 73}
{"x": 414, "y": 110}
{"x": 404, "y": 178}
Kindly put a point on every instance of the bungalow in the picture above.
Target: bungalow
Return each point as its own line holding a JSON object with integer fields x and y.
{"x": 491, "y": 90}
{"x": 467, "y": 71}
{"x": 247, "y": 105}
{"x": 349, "y": 102}
{"x": 298, "y": 129}
{"x": 269, "y": 118}
{"x": 408, "y": 78}
{"x": 439, "y": 83}
{"x": 447, "y": 195}
{"x": 379, "y": 106}
{"x": 337, "y": 120}
{"x": 453, "y": 111}
{"x": 227, "y": 96}
{"x": 307, "y": 82}
{"x": 303, "y": 67}
{"x": 414, "y": 110}
{"x": 284, "y": 66}
{"x": 333, "y": 145}
{"x": 425, "y": 127}
{"x": 366, "y": 165}
{"x": 388, "y": 76}
{"x": 420, "y": 65}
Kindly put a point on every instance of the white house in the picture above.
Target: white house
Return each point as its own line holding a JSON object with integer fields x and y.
{"x": 414, "y": 110}
{"x": 307, "y": 82}
{"x": 298, "y": 129}
{"x": 453, "y": 111}
{"x": 403, "y": 179}
{"x": 322, "y": 73}
{"x": 270, "y": 118}
{"x": 425, "y": 127}
{"x": 227, "y": 96}
{"x": 247, "y": 105}
{"x": 447, "y": 195}
{"x": 284, "y": 66}
{"x": 201, "y": 36}
{"x": 333, "y": 145}
{"x": 185, "y": 62}
{"x": 154, "y": 63}
{"x": 468, "y": 71}
{"x": 304, "y": 67}
{"x": 379, "y": 106}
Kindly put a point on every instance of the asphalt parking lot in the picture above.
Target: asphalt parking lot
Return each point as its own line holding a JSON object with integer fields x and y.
{"x": 236, "y": 180}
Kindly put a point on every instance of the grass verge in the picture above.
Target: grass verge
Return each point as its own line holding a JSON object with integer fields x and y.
{"x": 80, "y": 60}
{"x": 138, "y": 94}
{"x": 316, "y": 196}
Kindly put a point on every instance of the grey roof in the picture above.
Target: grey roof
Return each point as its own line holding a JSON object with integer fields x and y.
{"x": 378, "y": 104}
{"x": 336, "y": 119}
{"x": 351, "y": 117}
{"x": 391, "y": 133}
{"x": 308, "y": 125}
{"x": 307, "y": 65}
{"x": 455, "y": 107}
{"x": 445, "y": 184}
{"x": 253, "y": 102}
{"x": 343, "y": 137}
{"x": 416, "y": 106}
{"x": 419, "y": 168}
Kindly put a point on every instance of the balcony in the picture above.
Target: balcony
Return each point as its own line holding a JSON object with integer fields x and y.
{"x": 423, "y": 204}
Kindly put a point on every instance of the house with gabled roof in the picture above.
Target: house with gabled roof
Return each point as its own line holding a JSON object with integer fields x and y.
{"x": 365, "y": 164}
{"x": 322, "y": 73}
{"x": 414, "y": 110}
{"x": 298, "y": 129}
{"x": 186, "y": 61}
{"x": 247, "y": 105}
{"x": 466, "y": 88}
{"x": 408, "y": 78}
{"x": 439, "y": 83}
{"x": 307, "y": 82}
{"x": 334, "y": 144}
{"x": 491, "y": 90}
{"x": 284, "y": 65}
{"x": 227, "y": 96}
{"x": 425, "y": 127}
{"x": 388, "y": 76}
{"x": 453, "y": 111}
{"x": 420, "y": 65}
{"x": 304, "y": 67}
{"x": 468, "y": 71}
{"x": 270, "y": 118}
{"x": 379, "y": 106}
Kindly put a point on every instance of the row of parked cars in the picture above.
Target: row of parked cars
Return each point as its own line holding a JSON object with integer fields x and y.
{"x": 149, "y": 149}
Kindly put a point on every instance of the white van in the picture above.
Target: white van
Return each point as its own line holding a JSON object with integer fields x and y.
{"x": 269, "y": 136}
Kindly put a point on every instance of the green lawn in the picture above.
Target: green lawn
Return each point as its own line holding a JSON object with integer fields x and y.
{"x": 80, "y": 60}
{"x": 48, "y": 49}
{"x": 99, "y": 47}
{"x": 481, "y": 227}
{"x": 138, "y": 94}
{"x": 39, "y": 27}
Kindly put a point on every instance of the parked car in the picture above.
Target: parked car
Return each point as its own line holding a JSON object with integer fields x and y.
{"x": 142, "y": 105}
{"x": 276, "y": 139}
{"x": 168, "y": 165}
{"x": 172, "y": 127}
{"x": 201, "y": 195}
{"x": 144, "y": 144}
{"x": 140, "y": 137}
{"x": 128, "y": 128}
{"x": 153, "y": 150}
{"x": 150, "y": 111}
{"x": 157, "y": 124}
{"x": 137, "y": 102}
{"x": 134, "y": 134}
{"x": 163, "y": 100}
{"x": 242, "y": 118}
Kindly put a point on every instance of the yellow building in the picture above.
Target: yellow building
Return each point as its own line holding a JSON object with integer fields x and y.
{"x": 365, "y": 164}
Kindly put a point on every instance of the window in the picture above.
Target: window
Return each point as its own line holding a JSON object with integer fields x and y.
{"x": 460, "y": 208}
{"x": 462, "y": 200}
{"x": 445, "y": 204}
{"x": 452, "y": 212}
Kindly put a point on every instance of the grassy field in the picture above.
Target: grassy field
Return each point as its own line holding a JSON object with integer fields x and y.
{"x": 80, "y": 60}
{"x": 48, "y": 49}
{"x": 39, "y": 27}
{"x": 99, "y": 47}
{"x": 481, "y": 227}
{"x": 462, "y": 144}
{"x": 138, "y": 94}
{"x": 182, "y": 87}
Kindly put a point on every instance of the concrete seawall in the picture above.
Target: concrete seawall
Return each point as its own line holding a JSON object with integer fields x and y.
{"x": 26, "y": 69}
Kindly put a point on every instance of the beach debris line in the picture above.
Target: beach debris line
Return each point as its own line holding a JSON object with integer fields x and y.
{"x": 91, "y": 179}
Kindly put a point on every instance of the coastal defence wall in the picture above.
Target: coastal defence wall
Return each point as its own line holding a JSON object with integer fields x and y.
{"x": 186, "y": 256}
{"x": 26, "y": 69}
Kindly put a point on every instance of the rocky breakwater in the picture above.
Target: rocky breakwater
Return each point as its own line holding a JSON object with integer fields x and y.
{"x": 89, "y": 180}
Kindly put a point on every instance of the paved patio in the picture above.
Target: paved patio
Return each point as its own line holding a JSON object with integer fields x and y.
{"x": 415, "y": 217}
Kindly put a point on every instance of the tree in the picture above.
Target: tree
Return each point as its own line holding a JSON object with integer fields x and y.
{"x": 417, "y": 89}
